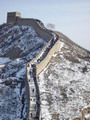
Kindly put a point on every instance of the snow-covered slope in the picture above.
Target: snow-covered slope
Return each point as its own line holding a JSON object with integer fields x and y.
{"x": 18, "y": 45}
{"x": 64, "y": 84}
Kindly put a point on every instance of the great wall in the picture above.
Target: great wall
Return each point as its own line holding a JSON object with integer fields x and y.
{"x": 35, "y": 67}
{"x": 37, "y": 24}
{"x": 38, "y": 64}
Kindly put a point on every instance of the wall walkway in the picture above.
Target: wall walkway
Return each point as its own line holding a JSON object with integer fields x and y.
{"x": 37, "y": 65}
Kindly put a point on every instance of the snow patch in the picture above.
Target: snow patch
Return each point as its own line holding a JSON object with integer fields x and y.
{"x": 4, "y": 60}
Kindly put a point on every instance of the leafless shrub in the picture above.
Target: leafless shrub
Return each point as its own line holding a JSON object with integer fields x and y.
{"x": 50, "y": 26}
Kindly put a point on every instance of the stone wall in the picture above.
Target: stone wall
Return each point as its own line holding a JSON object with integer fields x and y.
{"x": 42, "y": 32}
{"x": 38, "y": 64}
{"x": 15, "y": 17}
{"x": 39, "y": 55}
{"x": 41, "y": 66}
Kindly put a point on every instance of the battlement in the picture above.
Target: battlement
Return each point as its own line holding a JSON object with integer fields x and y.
{"x": 12, "y": 16}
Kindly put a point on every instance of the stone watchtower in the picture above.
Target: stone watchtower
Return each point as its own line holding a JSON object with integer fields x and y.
{"x": 12, "y": 16}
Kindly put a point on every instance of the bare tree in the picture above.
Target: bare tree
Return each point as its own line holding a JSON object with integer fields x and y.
{"x": 50, "y": 26}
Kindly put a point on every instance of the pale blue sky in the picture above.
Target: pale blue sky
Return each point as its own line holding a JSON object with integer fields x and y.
{"x": 71, "y": 17}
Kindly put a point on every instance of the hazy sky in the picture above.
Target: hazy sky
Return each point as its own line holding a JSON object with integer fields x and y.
{"x": 71, "y": 17}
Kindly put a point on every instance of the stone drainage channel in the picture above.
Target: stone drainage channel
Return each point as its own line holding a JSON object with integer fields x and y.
{"x": 34, "y": 94}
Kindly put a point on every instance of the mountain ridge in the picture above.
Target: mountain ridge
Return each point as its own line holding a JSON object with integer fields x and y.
{"x": 13, "y": 75}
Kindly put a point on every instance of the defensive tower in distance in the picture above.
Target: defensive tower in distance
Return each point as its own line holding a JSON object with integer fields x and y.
{"x": 12, "y": 16}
